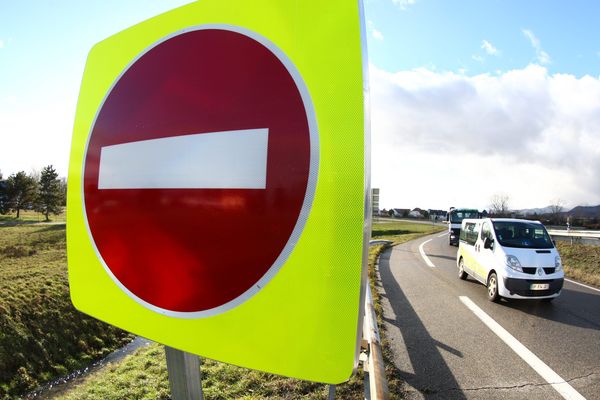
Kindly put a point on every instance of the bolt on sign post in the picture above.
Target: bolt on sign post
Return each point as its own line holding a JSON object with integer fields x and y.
{"x": 218, "y": 184}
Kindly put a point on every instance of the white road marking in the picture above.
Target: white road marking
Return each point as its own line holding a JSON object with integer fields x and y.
{"x": 443, "y": 234}
{"x": 214, "y": 160}
{"x": 581, "y": 284}
{"x": 558, "y": 383}
{"x": 427, "y": 260}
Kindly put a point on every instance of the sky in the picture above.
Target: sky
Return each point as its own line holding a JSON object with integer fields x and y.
{"x": 468, "y": 98}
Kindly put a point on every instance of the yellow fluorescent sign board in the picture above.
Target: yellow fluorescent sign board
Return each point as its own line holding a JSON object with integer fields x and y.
{"x": 218, "y": 184}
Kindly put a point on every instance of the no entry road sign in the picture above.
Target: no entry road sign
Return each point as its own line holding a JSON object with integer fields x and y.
{"x": 218, "y": 184}
{"x": 208, "y": 138}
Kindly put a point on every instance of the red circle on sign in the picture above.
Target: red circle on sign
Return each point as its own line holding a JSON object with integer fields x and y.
{"x": 202, "y": 250}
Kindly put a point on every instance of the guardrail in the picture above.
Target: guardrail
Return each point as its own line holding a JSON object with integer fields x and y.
{"x": 575, "y": 233}
{"x": 372, "y": 358}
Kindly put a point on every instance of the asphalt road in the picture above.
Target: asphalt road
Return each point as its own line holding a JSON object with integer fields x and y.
{"x": 445, "y": 351}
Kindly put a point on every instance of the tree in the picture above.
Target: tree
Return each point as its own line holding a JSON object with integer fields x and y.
{"x": 20, "y": 191}
{"x": 63, "y": 190}
{"x": 556, "y": 209}
{"x": 49, "y": 194}
{"x": 499, "y": 205}
{"x": 3, "y": 196}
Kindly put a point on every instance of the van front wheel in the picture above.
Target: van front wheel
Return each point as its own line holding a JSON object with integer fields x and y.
{"x": 461, "y": 269}
{"x": 492, "y": 287}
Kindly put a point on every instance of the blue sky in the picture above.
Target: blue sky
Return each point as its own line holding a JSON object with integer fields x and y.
{"x": 505, "y": 94}
{"x": 449, "y": 34}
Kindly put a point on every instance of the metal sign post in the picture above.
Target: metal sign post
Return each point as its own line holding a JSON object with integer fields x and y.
{"x": 184, "y": 374}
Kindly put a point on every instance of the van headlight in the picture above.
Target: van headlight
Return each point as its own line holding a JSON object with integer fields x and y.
{"x": 557, "y": 263}
{"x": 513, "y": 262}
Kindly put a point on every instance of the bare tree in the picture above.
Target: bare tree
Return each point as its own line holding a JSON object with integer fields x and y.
{"x": 556, "y": 209}
{"x": 499, "y": 205}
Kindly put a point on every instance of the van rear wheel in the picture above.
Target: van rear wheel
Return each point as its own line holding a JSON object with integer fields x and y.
{"x": 461, "y": 269}
{"x": 492, "y": 287}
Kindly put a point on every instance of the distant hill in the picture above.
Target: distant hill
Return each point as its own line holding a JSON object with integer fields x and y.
{"x": 585, "y": 211}
{"x": 538, "y": 211}
{"x": 579, "y": 211}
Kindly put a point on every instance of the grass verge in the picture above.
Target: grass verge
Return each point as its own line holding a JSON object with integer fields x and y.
{"x": 30, "y": 216}
{"x": 41, "y": 335}
{"x": 401, "y": 231}
{"x": 143, "y": 375}
{"x": 581, "y": 262}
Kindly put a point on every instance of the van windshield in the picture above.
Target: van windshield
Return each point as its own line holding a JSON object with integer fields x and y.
{"x": 456, "y": 217}
{"x": 525, "y": 235}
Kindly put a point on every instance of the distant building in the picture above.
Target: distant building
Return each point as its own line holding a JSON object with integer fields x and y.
{"x": 416, "y": 213}
{"x": 375, "y": 201}
{"x": 399, "y": 212}
{"x": 437, "y": 215}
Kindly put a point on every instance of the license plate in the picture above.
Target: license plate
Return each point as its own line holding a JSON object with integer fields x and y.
{"x": 540, "y": 286}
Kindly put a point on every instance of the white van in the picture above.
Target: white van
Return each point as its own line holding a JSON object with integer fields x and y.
{"x": 514, "y": 258}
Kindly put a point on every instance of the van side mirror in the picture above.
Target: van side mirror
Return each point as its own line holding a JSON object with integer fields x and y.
{"x": 488, "y": 243}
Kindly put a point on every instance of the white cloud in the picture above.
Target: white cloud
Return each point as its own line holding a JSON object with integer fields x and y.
{"x": 455, "y": 140}
{"x": 489, "y": 48}
{"x": 377, "y": 34}
{"x": 404, "y": 4}
{"x": 477, "y": 58}
{"x": 374, "y": 32}
{"x": 542, "y": 57}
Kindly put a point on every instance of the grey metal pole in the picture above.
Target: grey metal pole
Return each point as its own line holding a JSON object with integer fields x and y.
{"x": 184, "y": 374}
{"x": 331, "y": 392}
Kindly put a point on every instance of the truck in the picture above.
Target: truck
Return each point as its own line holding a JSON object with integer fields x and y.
{"x": 454, "y": 219}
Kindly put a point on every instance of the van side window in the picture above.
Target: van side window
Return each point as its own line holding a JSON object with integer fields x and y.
{"x": 486, "y": 231}
{"x": 469, "y": 234}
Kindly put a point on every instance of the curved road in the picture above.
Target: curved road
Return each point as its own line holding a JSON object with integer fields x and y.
{"x": 445, "y": 350}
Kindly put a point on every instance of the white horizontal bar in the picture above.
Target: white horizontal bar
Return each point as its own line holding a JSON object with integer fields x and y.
{"x": 214, "y": 160}
{"x": 582, "y": 234}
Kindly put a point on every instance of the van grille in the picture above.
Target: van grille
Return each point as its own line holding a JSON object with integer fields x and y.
{"x": 532, "y": 270}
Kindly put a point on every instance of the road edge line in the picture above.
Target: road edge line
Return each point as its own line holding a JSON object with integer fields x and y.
{"x": 547, "y": 373}
{"x": 425, "y": 258}
{"x": 582, "y": 284}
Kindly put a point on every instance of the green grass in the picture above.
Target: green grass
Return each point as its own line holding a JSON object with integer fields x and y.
{"x": 401, "y": 231}
{"x": 581, "y": 262}
{"x": 41, "y": 335}
{"x": 29, "y": 216}
{"x": 143, "y": 375}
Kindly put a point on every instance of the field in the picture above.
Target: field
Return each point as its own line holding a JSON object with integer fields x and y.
{"x": 41, "y": 335}
{"x": 581, "y": 262}
{"x": 403, "y": 231}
